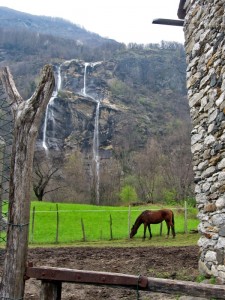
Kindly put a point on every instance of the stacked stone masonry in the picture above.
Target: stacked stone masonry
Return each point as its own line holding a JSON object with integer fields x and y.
{"x": 204, "y": 31}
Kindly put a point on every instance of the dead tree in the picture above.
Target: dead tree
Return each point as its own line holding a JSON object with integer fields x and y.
{"x": 44, "y": 173}
{"x": 27, "y": 117}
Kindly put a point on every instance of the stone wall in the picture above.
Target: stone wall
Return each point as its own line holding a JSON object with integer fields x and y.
{"x": 204, "y": 30}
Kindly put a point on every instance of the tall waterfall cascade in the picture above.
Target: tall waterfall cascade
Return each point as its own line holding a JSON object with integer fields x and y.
{"x": 49, "y": 114}
{"x": 96, "y": 158}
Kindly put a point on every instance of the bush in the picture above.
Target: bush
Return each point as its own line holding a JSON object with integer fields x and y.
{"x": 128, "y": 194}
{"x": 169, "y": 197}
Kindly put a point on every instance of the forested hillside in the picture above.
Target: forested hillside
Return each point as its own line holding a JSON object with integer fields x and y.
{"x": 144, "y": 125}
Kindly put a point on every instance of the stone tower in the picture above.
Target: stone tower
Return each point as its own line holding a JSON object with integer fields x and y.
{"x": 204, "y": 30}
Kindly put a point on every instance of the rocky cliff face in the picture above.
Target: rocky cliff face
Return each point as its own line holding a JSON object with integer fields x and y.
{"x": 71, "y": 115}
{"x": 128, "y": 111}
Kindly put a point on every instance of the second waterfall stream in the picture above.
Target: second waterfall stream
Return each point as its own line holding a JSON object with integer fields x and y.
{"x": 96, "y": 158}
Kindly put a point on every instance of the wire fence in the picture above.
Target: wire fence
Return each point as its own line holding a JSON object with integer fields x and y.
{"x": 6, "y": 136}
{"x": 68, "y": 226}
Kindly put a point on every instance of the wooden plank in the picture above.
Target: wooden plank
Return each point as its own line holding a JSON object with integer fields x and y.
{"x": 168, "y": 22}
{"x": 90, "y": 277}
{"x": 152, "y": 284}
{"x": 189, "y": 288}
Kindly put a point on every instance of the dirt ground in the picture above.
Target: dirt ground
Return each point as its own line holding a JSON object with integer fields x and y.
{"x": 176, "y": 263}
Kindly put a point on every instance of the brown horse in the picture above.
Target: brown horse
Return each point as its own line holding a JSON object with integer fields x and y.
{"x": 148, "y": 217}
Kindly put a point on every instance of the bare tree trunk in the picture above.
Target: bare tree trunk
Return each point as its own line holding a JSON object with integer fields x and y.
{"x": 27, "y": 117}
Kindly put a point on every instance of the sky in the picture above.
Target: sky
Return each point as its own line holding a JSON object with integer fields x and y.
{"x": 126, "y": 21}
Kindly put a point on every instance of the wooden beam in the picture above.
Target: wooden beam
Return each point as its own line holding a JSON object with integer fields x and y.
{"x": 151, "y": 284}
{"x": 189, "y": 288}
{"x": 90, "y": 277}
{"x": 168, "y": 22}
{"x": 181, "y": 13}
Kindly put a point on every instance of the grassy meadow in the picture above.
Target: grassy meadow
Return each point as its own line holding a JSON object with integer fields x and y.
{"x": 60, "y": 223}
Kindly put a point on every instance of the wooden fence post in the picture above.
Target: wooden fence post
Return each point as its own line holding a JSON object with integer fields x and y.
{"x": 57, "y": 224}
{"x": 50, "y": 290}
{"x": 27, "y": 118}
{"x": 185, "y": 218}
{"x": 32, "y": 228}
{"x": 83, "y": 231}
{"x": 110, "y": 224}
{"x": 129, "y": 216}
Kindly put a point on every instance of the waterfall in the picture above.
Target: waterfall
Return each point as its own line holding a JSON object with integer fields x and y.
{"x": 96, "y": 160}
{"x": 96, "y": 151}
{"x": 85, "y": 73}
{"x": 49, "y": 114}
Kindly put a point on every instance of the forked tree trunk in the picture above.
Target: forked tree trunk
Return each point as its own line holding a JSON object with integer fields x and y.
{"x": 27, "y": 116}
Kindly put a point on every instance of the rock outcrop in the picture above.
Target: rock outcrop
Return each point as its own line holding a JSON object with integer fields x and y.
{"x": 72, "y": 113}
{"x": 122, "y": 112}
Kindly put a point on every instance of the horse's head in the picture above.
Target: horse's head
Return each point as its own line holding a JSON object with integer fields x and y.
{"x": 133, "y": 231}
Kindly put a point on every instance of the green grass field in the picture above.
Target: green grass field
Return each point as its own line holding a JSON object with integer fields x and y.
{"x": 96, "y": 223}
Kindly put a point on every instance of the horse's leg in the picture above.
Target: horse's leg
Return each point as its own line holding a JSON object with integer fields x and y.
{"x": 171, "y": 225}
{"x": 150, "y": 232}
{"x": 144, "y": 236}
{"x": 168, "y": 229}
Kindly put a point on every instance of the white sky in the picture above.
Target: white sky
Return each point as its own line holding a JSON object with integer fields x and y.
{"x": 123, "y": 20}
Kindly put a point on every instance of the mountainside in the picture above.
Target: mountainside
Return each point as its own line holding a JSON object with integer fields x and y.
{"x": 133, "y": 106}
{"x": 11, "y": 19}
{"x": 110, "y": 102}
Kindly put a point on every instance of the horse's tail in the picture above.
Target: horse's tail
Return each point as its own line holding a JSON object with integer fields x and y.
{"x": 173, "y": 218}
{"x": 173, "y": 228}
